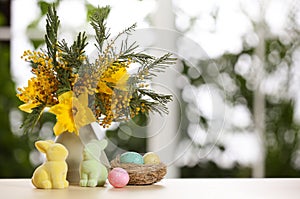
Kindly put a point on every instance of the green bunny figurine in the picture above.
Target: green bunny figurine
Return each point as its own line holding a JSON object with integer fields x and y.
{"x": 92, "y": 172}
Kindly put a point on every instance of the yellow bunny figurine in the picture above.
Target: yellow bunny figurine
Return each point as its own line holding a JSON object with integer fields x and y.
{"x": 52, "y": 174}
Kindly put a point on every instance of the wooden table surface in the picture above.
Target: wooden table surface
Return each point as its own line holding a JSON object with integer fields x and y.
{"x": 167, "y": 189}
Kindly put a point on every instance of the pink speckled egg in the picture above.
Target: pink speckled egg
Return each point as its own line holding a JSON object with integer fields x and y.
{"x": 118, "y": 177}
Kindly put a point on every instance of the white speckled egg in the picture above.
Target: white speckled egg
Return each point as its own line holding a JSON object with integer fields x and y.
{"x": 131, "y": 157}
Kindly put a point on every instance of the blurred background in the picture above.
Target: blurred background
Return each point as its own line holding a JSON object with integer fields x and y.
{"x": 236, "y": 111}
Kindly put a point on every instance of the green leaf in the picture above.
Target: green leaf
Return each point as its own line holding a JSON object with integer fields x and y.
{"x": 90, "y": 9}
{"x": 44, "y": 7}
{"x": 73, "y": 53}
{"x": 34, "y": 24}
{"x": 37, "y": 42}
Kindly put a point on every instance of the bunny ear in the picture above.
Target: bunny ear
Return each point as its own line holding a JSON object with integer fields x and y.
{"x": 42, "y": 146}
{"x": 93, "y": 149}
{"x": 50, "y": 141}
{"x": 102, "y": 144}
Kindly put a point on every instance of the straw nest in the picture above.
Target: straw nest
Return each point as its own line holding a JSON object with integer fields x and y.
{"x": 145, "y": 174}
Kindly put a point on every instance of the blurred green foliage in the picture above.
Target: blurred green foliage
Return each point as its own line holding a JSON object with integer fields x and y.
{"x": 129, "y": 136}
{"x": 281, "y": 131}
{"x": 15, "y": 150}
{"x": 212, "y": 170}
{"x": 2, "y": 19}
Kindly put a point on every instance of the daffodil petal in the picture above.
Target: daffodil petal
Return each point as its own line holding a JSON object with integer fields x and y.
{"x": 83, "y": 98}
{"x": 103, "y": 88}
{"x": 28, "y": 107}
{"x": 90, "y": 116}
{"x": 58, "y": 128}
{"x": 56, "y": 109}
{"x": 65, "y": 96}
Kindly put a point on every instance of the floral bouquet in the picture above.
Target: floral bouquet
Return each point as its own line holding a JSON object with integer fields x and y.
{"x": 80, "y": 91}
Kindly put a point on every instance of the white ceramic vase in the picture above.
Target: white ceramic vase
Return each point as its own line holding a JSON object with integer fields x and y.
{"x": 75, "y": 145}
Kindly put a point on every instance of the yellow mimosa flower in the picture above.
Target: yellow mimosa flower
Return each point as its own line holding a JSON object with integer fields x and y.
{"x": 71, "y": 113}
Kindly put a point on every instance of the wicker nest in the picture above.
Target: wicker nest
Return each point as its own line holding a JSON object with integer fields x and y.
{"x": 145, "y": 174}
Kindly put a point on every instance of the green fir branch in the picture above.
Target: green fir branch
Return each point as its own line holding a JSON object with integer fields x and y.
{"x": 157, "y": 103}
{"x": 149, "y": 69}
{"x": 156, "y": 107}
{"x": 72, "y": 54}
{"x": 161, "y": 98}
{"x": 141, "y": 58}
{"x": 32, "y": 119}
{"x": 52, "y": 24}
{"x": 152, "y": 102}
{"x": 124, "y": 49}
{"x": 98, "y": 22}
{"x": 62, "y": 89}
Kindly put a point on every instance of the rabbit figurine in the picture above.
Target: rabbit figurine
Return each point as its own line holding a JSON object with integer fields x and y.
{"x": 92, "y": 172}
{"x": 51, "y": 174}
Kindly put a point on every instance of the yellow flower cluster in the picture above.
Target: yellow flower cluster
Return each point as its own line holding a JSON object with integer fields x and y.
{"x": 112, "y": 92}
{"x": 71, "y": 112}
{"x": 108, "y": 85}
{"x": 108, "y": 82}
{"x": 116, "y": 105}
{"x": 79, "y": 91}
{"x": 41, "y": 88}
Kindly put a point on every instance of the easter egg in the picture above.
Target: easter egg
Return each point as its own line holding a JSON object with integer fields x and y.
{"x": 131, "y": 157}
{"x": 151, "y": 158}
{"x": 118, "y": 177}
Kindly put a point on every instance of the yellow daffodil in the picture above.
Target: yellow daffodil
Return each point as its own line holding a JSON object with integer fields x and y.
{"x": 117, "y": 79}
{"x": 41, "y": 89}
{"x": 28, "y": 95}
{"x": 71, "y": 113}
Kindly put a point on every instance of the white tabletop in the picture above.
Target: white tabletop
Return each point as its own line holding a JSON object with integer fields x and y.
{"x": 167, "y": 189}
